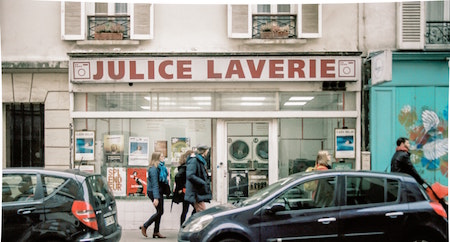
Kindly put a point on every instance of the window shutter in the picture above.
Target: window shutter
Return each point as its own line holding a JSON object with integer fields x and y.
{"x": 73, "y": 21}
{"x": 309, "y": 20}
{"x": 239, "y": 21}
{"x": 411, "y": 25}
{"x": 142, "y": 21}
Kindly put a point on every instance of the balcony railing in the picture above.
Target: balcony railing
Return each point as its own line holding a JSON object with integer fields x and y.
{"x": 96, "y": 22}
{"x": 269, "y": 26}
{"x": 438, "y": 32}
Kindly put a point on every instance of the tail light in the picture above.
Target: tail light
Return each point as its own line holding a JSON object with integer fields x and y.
{"x": 84, "y": 212}
{"x": 437, "y": 207}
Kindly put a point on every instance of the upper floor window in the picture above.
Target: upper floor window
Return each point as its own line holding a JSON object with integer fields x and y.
{"x": 438, "y": 22}
{"x": 85, "y": 21}
{"x": 274, "y": 21}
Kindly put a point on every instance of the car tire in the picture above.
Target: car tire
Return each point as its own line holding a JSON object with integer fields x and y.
{"x": 229, "y": 240}
{"x": 423, "y": 238}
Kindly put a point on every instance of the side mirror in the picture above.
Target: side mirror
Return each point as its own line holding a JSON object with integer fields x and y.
{"x": 276, "y": 207}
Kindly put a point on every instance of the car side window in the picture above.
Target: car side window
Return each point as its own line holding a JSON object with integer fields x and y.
{"x": 18, "y": 187}
{"x": 370, "y": 190}
{"x": 318, "y": 193}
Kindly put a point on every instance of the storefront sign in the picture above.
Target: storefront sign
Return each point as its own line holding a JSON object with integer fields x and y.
{"x": 161, "y": 69}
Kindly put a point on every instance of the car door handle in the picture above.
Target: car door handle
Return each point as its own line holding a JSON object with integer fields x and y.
{"x": 24, "y": 211}
{"x": 394, "y": 214}
{"x": 326, "y": 220}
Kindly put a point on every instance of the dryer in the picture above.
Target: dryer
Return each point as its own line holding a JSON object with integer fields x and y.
{"x": 239, "y": 152}
{"x": 260, "y": 152}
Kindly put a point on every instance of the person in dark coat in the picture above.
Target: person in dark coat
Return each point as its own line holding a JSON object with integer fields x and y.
{"x": 180, "y": 186}
{"x": 198, "y": 189}
{"x": 401, "y": 162}
{"x": 155, "y": 194}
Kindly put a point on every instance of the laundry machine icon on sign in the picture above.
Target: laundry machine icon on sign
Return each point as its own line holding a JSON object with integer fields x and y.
{"x": 239, "y": 152}
{"x": 260, "y": 152}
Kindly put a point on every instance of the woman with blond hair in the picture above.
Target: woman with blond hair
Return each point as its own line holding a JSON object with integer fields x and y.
{"x": 323, "y": 157}
{"x": 155, "y": 175}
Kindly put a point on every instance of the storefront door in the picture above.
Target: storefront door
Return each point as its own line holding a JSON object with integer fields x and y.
{"x": 247, "y": 158}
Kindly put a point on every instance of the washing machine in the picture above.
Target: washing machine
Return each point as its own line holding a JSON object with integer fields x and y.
{"x": 240, "y": 153}
{"x": 260, "y": 152}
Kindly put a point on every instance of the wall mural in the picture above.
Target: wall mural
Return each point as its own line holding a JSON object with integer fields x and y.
{"x": 428, "y": 135}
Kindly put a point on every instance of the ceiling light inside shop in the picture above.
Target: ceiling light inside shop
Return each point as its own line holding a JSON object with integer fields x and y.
{"x": 145, "y": 107}
{"x": 253, "y": 98}
{"x": 190, "y": 108}
{"x": 148, "y": 98}
{"x": 167, "y": 103}
{"x": 294, "y": 98}
{"x": 202, "y": 98}
{"x": 204, "y": 103}
{"x": 294, "y": 103}
{"x": 251, "y": 104}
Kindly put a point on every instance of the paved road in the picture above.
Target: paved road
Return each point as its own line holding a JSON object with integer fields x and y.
{"x": 130, "y": 235}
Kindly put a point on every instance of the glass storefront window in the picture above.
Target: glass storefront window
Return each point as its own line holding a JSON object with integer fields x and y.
{"x": 123, "y": 147}
{"x": 224, "y": 101}
{"x": 301, "y": 139}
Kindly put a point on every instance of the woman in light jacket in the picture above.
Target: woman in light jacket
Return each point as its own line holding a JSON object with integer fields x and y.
{"x": 154, "y": 172}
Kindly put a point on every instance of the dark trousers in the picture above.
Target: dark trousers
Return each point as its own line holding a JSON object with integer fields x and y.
{"x": 185, "y": 211}
{"x": 157, "y": 216}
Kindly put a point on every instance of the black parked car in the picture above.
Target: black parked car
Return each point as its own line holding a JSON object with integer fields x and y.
{"x": 326, "y": 206}
{"x": 45, "y": 205}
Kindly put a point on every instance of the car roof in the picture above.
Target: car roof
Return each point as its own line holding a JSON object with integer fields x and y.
{"x": 63, "y": 173}
{"x": 392, "y": 175}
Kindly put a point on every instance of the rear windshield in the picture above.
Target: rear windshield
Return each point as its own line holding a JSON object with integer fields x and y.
{"x": 102, "y": 194}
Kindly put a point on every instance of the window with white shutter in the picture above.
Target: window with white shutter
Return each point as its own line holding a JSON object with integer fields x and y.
{"x": 437, "y": 29}
{"x": 275, "y": 21}
{"x": 411, "y": 25}
{"x": 73, "y": 18}
{"x": 106, "y": 21}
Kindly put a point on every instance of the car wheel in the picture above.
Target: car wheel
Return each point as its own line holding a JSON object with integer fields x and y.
{"x": 229, "y": 240}
{"x": 423, "y": 238}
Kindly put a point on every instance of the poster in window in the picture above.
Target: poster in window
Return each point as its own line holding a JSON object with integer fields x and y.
{"x": 113, "y": 148}
{"x": 161, "y": 146}
{"x": 138, "y": 151}
{"x": 257, "y": 179}
{"x": 136, "y": 182}
{"x": 84, "y": 145}
{"x": 344, "y": 143}
{"x": 179, "y": 146}
{"x": 238, "y": 185}
{"x": 116, "y": 179}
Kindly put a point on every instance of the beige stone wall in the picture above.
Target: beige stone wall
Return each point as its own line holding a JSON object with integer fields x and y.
{"x": 52, "y": 90}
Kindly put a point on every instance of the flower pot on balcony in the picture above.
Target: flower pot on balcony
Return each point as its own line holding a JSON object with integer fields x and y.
{"x": 108, "y": 36}
{"x": 281, "y": 35}
{"x": 266, "y": 35}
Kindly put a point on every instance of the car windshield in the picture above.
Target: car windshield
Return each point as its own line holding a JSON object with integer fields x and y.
{"x": 263, "y": 193}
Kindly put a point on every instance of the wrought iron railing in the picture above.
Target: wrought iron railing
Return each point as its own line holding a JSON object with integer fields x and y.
{"x": 97, "y": 22}
{"x": 270, "y": 26}
{"x": 437, "y": 32}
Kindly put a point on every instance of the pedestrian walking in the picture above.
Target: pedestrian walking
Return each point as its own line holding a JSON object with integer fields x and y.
{"x": 156, "y": 175}
{"x": 198, "y": 189}
{"x": 401, "y": 162}
{"x": 180, "y": 186}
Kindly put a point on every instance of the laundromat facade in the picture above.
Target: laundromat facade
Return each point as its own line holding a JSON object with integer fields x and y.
{"x": 265, "y": 116}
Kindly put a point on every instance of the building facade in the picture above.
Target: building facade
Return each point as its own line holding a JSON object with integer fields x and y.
{"x": 104, "y": 85}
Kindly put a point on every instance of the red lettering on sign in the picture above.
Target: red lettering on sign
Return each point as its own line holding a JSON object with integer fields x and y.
{"x": 235, "y": 68}
{"x": 296, "y": 66}
{"x": 111, "y": 70}
{"x": 275, "y": 66}
{"x": 184, "y": 69}
{"x": 151, "y": 70}
{"x": 133, "y": 74}
{"x": 162, "y": 69}
{"x": 256, "y": 71}
{"x": 312, "y": 68}
{"x": 211, "y": 73}
{"x": 99, "y": 73}
{"x": 326, "y": 68}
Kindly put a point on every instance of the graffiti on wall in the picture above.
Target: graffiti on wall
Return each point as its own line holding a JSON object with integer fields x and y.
{"x": 428, "y": 135}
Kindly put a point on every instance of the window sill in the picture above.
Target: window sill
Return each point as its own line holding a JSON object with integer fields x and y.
{"x": 108, "y": 42}
{"x": 275, "y": 41}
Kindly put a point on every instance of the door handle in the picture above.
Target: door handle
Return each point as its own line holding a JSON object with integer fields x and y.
{"x": 25, "y": 211}
{"x": 394, "y": 214}
{"x": 326, "y": 220}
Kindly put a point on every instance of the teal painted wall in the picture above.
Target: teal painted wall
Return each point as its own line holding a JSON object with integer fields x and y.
{"x": 413, "y": 105}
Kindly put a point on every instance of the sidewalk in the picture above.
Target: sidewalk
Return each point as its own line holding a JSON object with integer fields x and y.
{"x": 129, "y": 235}
{"x": 133, "y": 213}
